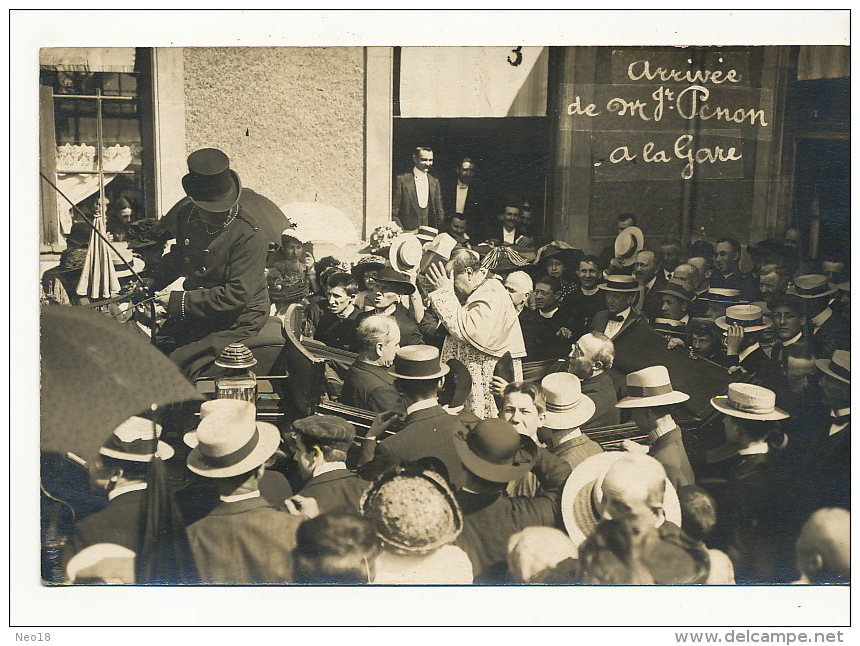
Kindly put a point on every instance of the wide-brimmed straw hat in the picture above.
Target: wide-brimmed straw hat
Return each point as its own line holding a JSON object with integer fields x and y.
{"x": 494, "y": 451}
{"x": 620, "y": 283}
{"x": 670, "y": 327}
{"x": 583, "y": 493}
{"x": 230, "y": 441}
{"x": 366, "y": 263}
{"x": 426, "y": 234}
{"x": 210, "y": 183}
{"x": 439, "y": 249}
{"x": 651, "y": 387}
{"x": 123, "y": 270}
{"x": 628, "y": 243}
{"x": 396, "y": 279}
{"x": 811, "y": 286}
{"x": 418, "y": 362}
{"x": 412, "y": 509}
{"x": 749, "y": 317}
{"x": 135, "y": 441}
{"x": 405, "y": 253}
{"x": 749, "y": 401}
{"x": 838, "y": 366}
{"x": 722, "y": 295}
{"x": 566, "y": 406}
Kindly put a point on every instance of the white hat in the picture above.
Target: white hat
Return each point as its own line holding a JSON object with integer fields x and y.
{"x": 628, "y": 243}
{"x": 136, "y": 440}
{"x": 749, "y": 401}
{"x": 405, "y": 253}
{"x": 651, "y": 387}
{"x": 838, "y": 367}
{"x": 566, "y": 406}
{"x": 749, "y": 317}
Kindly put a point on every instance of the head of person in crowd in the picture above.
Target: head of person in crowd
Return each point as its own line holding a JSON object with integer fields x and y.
{"x": 589, "y": 272}
{"x": 718, "y": 299}
{"x": 799, "y": 367}
{"x": 815, "y": 291}
{"x": 125, "y": 457}
{"x": 842, "y": 305}
{"x": 510, "y": 213}
{"x": 650, "y": 398}
{"x": 493, "y": 454}
{"x": 702, "y": 248}
{"x": 546, "y": 293}
{"x": 231, "y": 446}
{"x": 614, "y": 555}
{"x": 621, "y": 292}
{"x": 590, "y": 355}
{"x": 341, "y": 289}
{"x": 466, "y": 171}
{"x": 823, "y": 549}
{"x": 465, "y": 266}
{"x": 291, "y": 247}
{"x": 750, "y": 318}
{"x": 834, "y": 268}
{"x": 706, "y": 269}
{"x": 836, "y": 381}
{"x": 457, "y": 227}
{"x": 698, "y": 512}
{"x": 520, "y": 287}
{"x": 388, "y": 287}
{"x": 671, "y": 252}
{"x": 320, "y": 440}
{"x": 418, "y": 373}
{"x": 773, "y": 280}
{"x": 527, "y": 216}
{"x": 366, "y": 270}
{"x": 422, "y": 159}
{"x": 646, "y": 266}
{"x": 676, "y": 299}
{"x": 787, "y": 315}
{"x": 727, "y": 255}
{"x": 335, "y": 548}
{"x": 791, "y": 239}
{"x": 625, "y": 220}
{"x": 524, "y": 407}
{"x": 560, "y": 263}
{"x": 687, "y": 275}
{"x": 541, "y": 554}
{"x": 377, "y": 339}
{"x": 633, "y": 494}
{"x": 750, "y": 417}
{"x": 704, "y": 338}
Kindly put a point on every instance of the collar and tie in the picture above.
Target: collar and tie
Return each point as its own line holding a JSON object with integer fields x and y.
{"x": 839, "y": 420}
{"x": 617, "y": 318}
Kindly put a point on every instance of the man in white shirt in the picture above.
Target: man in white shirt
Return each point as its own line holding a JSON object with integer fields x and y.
{"x": 417, "y": 199}
{"x": 621, "y": 290}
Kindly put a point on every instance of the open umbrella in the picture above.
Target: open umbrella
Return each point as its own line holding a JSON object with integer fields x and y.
{"x": 95, "y": 375}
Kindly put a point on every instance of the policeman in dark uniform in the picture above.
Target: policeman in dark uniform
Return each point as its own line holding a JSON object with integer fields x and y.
{"x": 222, "y": 254}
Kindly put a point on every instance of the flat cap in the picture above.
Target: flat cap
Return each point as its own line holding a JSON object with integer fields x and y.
{"x": 326, "y": 429}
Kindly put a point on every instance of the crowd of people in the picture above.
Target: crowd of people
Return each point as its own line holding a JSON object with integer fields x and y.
{"x": 494, "y": 360}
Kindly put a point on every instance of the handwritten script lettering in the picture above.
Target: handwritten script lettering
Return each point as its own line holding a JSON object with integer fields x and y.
{"x": 684, "y": 149}
{"x": 638, "y": 70}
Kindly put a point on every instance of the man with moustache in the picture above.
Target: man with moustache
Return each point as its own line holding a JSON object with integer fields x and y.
{"x": 417, "y": 199}
{"x": 619, "y": 315}
{"x": 647, "y": 271}
{"x": 587, "y": 299}
{"x": 727, "y": 255}
{"x": 367, "y": 383}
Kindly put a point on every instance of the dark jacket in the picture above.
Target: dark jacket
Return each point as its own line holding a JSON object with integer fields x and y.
{"x": 118, "y": 523}
{"x": 582, "y": 308}
{"x": 598, "y": 324}
{"x": 669, "y": 451}
{"x": 491, "y": 519}
{"x": 473, "y": 212}
{"x": 404, "y": 203}
{"x": 763, "y": 371}
{"x": 601, "y": 390}
{"x": 338, "y": 490}
{"x": 409, "y": 332}
{"x": 576, "y": 450}
{"x": 245, "y": 542}
{"x": 541, "y": 334}
{"x": 428, "y": 432}
{"x": 371, "y": 387}
{"x": 336, "y": 332}
{"x": 739, "y": 280}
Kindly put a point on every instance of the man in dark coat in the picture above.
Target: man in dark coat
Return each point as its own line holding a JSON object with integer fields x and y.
{"x": 547, "y": 329}
{"x": 619, "y": 315}
{"x": 244, "y": 540}
{"x": 826, "y": 331}
{"x": 648, "y": 271}
{"x": 390, "y": 285}
{"x": 367, "y": 383}
{"x": 727, "y": 255}
{"x": 337, "y": 324}
{"x": 463, "y": 197}
{"x": 222, "y": 254}
{"x": 321, "y": 444}
{"x": 417, "y": 199}
{"x": 428, "y": 430}
{"x": 587, "y": 299}
{"x": 494, "y": 454}
{"x": 590, "y": 358}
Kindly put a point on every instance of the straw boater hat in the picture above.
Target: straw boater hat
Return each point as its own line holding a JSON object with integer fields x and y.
{"x": 811, "y": 286}
{"x": 583, "y": 494}
{"x": 405, "y": 253}
{"x": 412, "y": 510}
{"x": 439, "y": 249}
{"x": 566, "y": 406}
{"x": 749, "y": 317}
{"x": 110, "y": 563}
{"x": 722, "y": 295}
{"x": 136, "y": 440}
{"x": 670, "y": 327}
{"x": 749, "y": 401}
{"x": 230, "y": 441}
{"x": 620, "y": 283}
{"x": 210, "y": 183}
{"x": 418, "y": 362}
{"x": 628, "y": 243}
{"x": 838, "y": 366}
{"x": 494, "y": 451}
{"x": 122, "y": 269}
{"x": 651, "y": 387}
{"x": 426, "y": 234}
{"x": 396, "y": 279}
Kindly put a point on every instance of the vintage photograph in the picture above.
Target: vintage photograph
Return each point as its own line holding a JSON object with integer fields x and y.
{"x": 449, "y": 315}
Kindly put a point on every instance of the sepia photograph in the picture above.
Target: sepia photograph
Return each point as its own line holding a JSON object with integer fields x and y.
{"x": 370, "y": 312}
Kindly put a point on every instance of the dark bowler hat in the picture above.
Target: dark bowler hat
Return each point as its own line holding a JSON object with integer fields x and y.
{"x": 620, "y": 283}
{"x": 393, "y": 278}
{"x": 211, "y": 183}
{"x": 328, "y": 430}
{"x": 794, "y": 302}
{"x": 457, "y": 386}
{"x": 494, "y": 451}
{"x": 418, "y": 362}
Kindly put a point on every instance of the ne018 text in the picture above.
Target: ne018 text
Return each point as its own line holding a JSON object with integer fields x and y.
{"x": 32, "y": 637}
